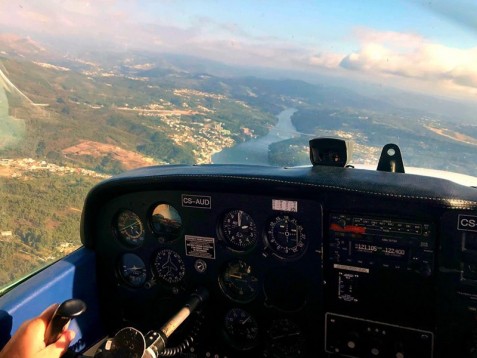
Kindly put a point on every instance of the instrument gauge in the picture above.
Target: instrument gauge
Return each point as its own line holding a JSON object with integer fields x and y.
{"x": 238, "y": 282}
{"x": 132, "y": 270}
{"x": 285, "y": 340}
{"x": 286, "y": 237}
{"x": 239, "y": 230}
{"x": 241, "y": 329}
{"x": 129, "y": 228}
{"x": 169, "y": 266}
{"x": 166, "y": 222}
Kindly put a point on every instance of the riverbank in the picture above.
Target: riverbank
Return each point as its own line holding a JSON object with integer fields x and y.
{"x": 255, "y": 151}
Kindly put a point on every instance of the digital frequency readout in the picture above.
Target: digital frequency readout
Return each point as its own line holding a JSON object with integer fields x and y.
{"x": 397, "y": 253}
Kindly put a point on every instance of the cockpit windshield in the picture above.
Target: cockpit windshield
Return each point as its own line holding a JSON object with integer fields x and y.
{"x": 89, "y": 89}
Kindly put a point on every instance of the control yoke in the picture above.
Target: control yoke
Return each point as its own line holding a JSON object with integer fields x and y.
{"x": 64, "y": 313}
{"x": 130, "y": 342}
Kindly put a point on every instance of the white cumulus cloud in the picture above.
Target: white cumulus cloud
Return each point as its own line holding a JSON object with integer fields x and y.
{"x": 412, "y": 56}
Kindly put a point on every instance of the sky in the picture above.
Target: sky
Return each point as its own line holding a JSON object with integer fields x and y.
{"x": 424, "y": 45}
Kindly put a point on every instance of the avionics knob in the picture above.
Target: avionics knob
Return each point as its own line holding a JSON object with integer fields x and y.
{"x": 375, "y": 352}
{"x": 377, "y": 349}
{"x": 342, "y": 223}
{"x": 352, "y": 340}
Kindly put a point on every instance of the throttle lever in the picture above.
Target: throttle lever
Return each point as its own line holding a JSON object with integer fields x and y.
{"x": 64, "y": 313}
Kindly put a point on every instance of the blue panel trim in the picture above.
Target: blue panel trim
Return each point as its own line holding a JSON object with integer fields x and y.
{"x": 72, "y": 277}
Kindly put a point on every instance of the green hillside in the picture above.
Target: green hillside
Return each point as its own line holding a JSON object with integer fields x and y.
{"x": 39, "y": 220}
{"x": 116, "y": 110}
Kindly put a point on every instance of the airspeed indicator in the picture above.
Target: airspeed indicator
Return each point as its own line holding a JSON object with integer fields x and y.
{"x": 129, "y": 228}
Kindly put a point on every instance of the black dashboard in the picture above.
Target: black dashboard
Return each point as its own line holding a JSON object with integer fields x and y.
{"x": 298, "y": 262}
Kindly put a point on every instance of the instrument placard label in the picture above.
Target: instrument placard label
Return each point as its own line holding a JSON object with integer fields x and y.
{"x": 196, "y": 201}
{"x": 467, "y": 223}
{"x": 199, "y": 246}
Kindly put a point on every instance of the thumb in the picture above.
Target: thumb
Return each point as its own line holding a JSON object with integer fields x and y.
{"x": 58, "y": 348}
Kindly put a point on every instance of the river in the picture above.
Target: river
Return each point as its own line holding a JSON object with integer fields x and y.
{"x": 255, "y": 151}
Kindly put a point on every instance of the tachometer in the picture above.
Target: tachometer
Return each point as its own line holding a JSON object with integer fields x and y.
{"x": 169, "y": 266}
{"x": 286, "y": 237}
{"x": 129, "y": 228}
{"x": 239, "y": 230}
{"x": 238, "y": 281}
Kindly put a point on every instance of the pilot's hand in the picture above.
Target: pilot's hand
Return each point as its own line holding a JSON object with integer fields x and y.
{"x": 29, "y": 340}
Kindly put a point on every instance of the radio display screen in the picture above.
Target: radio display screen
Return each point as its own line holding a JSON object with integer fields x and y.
{"x": 396, "y": 253}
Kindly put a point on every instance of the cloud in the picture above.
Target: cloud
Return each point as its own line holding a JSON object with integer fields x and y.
{"x": 66, "y": 18}
{"x": 397, "y": 40}
{"x": 327, "y": 60}
{"x": 398, "y": 56}
{"x": 413, "y": 57}
{"x": 123, "y": 23}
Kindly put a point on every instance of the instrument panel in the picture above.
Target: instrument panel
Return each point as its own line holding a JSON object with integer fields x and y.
{"x": 260, "y": 257}
{"x": 294, "y": 263}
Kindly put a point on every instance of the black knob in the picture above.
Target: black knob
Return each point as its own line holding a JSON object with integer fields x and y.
{"x": 63, "y": 314}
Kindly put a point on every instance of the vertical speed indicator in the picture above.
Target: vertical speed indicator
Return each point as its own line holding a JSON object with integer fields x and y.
{"x": 286, "y": 237}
